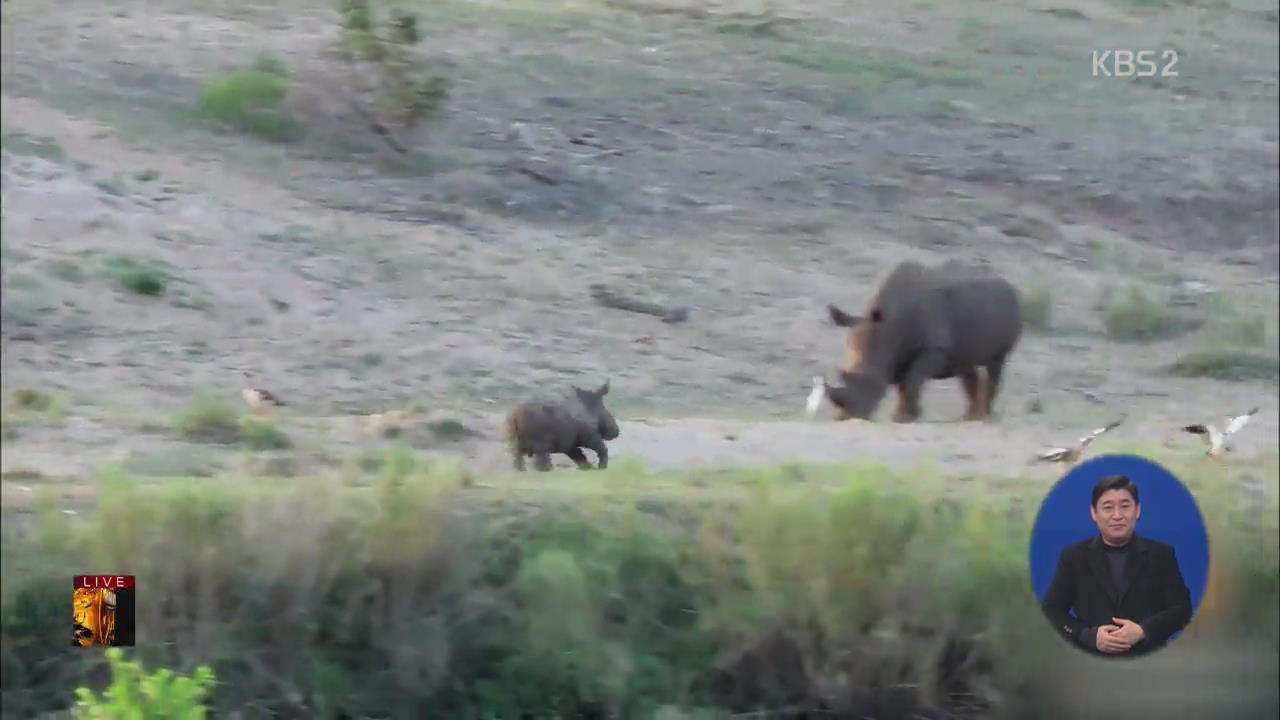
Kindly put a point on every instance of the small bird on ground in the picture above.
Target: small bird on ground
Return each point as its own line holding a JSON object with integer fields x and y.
{"x": 1217, "y": 440}
{"x": 259, "y": 399}
{"x": 1067, "y": 456}
{"x": 816, "y": 396}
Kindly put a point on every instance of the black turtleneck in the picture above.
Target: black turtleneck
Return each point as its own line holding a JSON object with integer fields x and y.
{"x": 1117, "y": 561}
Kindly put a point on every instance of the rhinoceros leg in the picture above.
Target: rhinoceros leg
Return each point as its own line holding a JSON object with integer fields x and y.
{"x": 580, "y": 458}
{"x": 542, "y": 460}
{"x": 994, "y": 371}
{"x": 927, "y": 365}
{"x": 597, "y": 446}
{"x": 974, "y": 392}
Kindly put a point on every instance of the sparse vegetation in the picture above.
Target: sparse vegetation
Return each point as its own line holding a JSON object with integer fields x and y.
{"x": 30, "y": 406}
{"x": 112, "y": 186}
{"x": 42, "y": 146}
{"x": 260, "y": 434}
{"x": 208, "y": 419}
{"x": 1227, "y": 365}
{"x": 392, "y": 87}
{"x": 821, "y": 589}
{"x": 66, "y": 270}
{"x": 1133, "y": 315}
{"x": 1037, "y": 308}
{"x": 1229, "y": 325}
{"x": 31, "y": 399}
{"x": 136, "y": 276}
{"x": 251, "y": 99}
{"x": 449, "y": 429}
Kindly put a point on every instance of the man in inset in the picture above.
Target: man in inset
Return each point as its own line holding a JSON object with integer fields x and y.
{"x": 1127, "y": 591}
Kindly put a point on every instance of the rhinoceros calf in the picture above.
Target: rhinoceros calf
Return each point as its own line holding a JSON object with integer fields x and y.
{"x": 928, "y": 323}
{"x": 580, "y": 420}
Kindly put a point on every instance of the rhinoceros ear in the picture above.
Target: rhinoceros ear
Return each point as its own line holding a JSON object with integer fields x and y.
{"x": 604, "y": 389}
{"x": 841, "y": 318}
{"x": 877, "y": 316}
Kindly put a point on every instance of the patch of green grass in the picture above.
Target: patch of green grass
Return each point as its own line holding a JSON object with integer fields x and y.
{"x": 21, "y": 281}
{"x": 251, "y": 99}
{"x": 31, "y": 399}
{"x": 208, "y": 419}
{"x": 258, "y": 434}
{"x": 66, "y": 270}
{"x": 42, "y": 146}
{"x": 112, "y": 186}
{"x": 1243, "y": 329}
{"x": 763, "y": 28}
{"x": 1133, "y": 315}
{"x": 1227, "y": 364}
{"x": 136, "y": 276}
{"x": 837, "y": 60}
{"x": 626, "y": 594}
{"x": 290, "y": 234}
{"x": 28, "y": 407}
{"x": 449, "y": 429}
{"x": 1231, "y": 326}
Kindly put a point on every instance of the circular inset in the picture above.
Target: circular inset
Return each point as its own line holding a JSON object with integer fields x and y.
{"x": 1119, "y": 556}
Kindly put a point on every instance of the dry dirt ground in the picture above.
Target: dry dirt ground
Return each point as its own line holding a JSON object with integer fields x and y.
{"x": 750, "y": 162}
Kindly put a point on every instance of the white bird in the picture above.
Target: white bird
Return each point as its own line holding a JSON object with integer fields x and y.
{"x": 1070, "y": 455}
{"x": 1217, "y": 440}
{"x": 816, "y": 396}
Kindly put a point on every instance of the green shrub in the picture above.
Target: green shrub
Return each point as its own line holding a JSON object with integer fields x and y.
{"x": 1226, "y": 364}
{"x": 137, "y": 695}
{"x": 263, "y": 435}
{"x": 136, "y": 276}
{"x": 400, "y": 89}
{"x": 842, "y": 591}
{"x": 31, "y": 399}
{"x": 209, "y": 420}
{"x": 1135, "y": 316}
{"x": 251, "y": 99}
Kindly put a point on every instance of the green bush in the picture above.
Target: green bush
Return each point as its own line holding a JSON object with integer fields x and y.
{"x": 403, "y": 89}
{"x": 209, "y": 419}
{"x": 263, "y": 435}
{"x": 1226, "y": 364}
{"x": 136, "y": 695}
{"x": 251, "y": 99}
{"x": 1135, "y": 316}
{"x": 136, "y": 276}
{"x": 839, "y": 591}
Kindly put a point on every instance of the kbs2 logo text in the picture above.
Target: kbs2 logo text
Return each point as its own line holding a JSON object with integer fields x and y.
{"x": 1135, "y": 63}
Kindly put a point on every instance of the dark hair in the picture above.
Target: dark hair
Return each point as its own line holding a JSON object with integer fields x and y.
{"x": 1114, "y": 482}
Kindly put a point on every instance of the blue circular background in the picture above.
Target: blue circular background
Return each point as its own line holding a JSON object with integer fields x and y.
{"x": 1169, "y": 515}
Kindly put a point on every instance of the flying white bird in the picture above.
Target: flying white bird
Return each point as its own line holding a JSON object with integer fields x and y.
{"x": 1071, "y": 455}
{"x": 816, "y": 396}
{"x": 1217, "y": 440}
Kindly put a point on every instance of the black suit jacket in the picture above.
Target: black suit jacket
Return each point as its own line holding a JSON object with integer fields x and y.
{"x": 1156, "y": 597}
